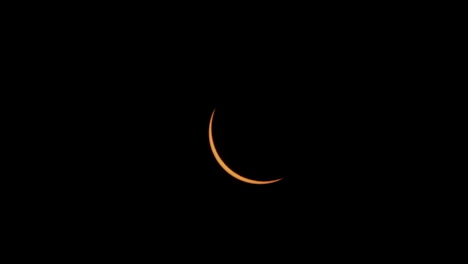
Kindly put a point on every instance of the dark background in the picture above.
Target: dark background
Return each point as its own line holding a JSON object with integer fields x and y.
{"x": 324, "y": 103}
{"x": 142, "y": 152}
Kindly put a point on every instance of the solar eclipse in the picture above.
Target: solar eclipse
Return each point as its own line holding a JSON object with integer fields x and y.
{"x": 223, "y": 164}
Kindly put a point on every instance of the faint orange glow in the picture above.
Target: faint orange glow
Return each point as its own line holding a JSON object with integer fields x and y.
{"x": 224, "y": 166}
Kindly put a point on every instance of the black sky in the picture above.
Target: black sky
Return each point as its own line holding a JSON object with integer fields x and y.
{"x": 326, "y": 107}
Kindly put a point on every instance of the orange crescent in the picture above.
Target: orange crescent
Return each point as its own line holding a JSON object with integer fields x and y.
{"x": 224, "y": 166}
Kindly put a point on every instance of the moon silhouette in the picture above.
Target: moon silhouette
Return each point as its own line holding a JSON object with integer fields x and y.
{"x": 224, "y": 166}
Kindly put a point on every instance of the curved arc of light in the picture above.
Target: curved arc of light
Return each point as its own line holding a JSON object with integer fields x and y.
{"x": 224, "y": 166}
